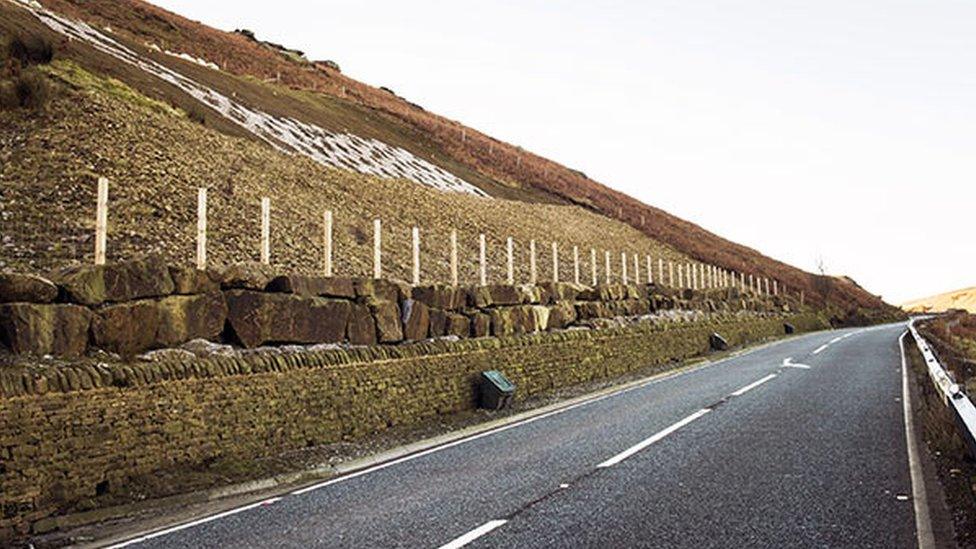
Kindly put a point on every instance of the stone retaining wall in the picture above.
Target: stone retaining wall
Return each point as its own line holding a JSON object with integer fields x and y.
{"x": 71, "y": 436}
{"x": 128, "y": 308}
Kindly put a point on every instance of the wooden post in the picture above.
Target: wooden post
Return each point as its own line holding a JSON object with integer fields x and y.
{"x": 327, "y": 243}
{"x": 775, "y": 288}
{"x": 510, "y": 249}
{"x": 266, "y": 230}
{"x": 482, "y": 260}
{"x": 681, "y": 278}
{"x": 636, "y": 270}
{"x": 101, "y": 221}
{"x": 623, "y": 267}
{"x": 606, "y": 257}
{"x": 415, "y": 234}
{"x": 660, "y": 271}
{"x": 555, "y": 263}
{"x": 671, "y": 274}
{"x": 201, "y": 228}
{"x": 576, "y": 271}
{"x": 751, "y": 286}
{"x": 650, "y": 271}
{"x": 377, "y": 249}
{"x": 533, "y": 273}
{"x": 454, "y": 258}
{"x": 595, "y": 279}
{"x": 694, "y": 276}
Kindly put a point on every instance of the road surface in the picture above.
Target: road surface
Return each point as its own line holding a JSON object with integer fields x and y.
{"x": 796, "y": 444}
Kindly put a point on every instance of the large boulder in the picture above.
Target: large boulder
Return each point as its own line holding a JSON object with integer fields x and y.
{"x": 457, "y": 325}
{"x": 45, "y": 329}
{"x": 561, "y": 315}
{"x": 136, "y": 326}
{"x": 249, "y": 275}
{"x": 536, "y": 319}
{"x": 502, "y": 321}
{"x": 438, "y": 323}
{"x": 386, "y": 315}
{"x": 561, "y": 291}
{"x": 416, "y": 320}
{"x": 586, "y": 310}
{"x": 116, "y": 282}
{"x": 361, "y": 329}
{"x": 381, "y": 289}
{"x": 255, "y": 318}
{"x": 126, "y": 328}
{"x": 314, "y": 286}
{"x": 189, "y": 280}
{"x": 186, "y": 317}
{"x": 27, "y": 288}
{"x": 504, "y": 294}
{"x": 480, "y": 324}
{"x": 448, "y": 298}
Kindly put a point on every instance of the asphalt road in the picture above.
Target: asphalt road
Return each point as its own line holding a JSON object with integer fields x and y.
{"x": 745, "y": 452}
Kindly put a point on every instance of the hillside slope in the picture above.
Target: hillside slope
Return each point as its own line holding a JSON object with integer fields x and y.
{"x": 156, "y": 157}
{"x": 284, "y": 85}
{"x": 964, "y": 299}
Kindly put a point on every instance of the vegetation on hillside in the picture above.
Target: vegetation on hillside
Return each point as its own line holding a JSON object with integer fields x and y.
{"x": 156, "y": 158}
{"x": 953, "y": 335}
{"x": 21, "y": 85}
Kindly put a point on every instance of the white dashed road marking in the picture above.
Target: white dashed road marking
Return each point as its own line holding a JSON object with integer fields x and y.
{"x": 473, "y": 534}
{"x": 652, "y": 439}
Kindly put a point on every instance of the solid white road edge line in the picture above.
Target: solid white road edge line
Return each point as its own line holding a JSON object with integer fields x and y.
{"x": 753, "y": 385}
{"x": 652, "y": 439}
{"x": 923, "y": 521}
{"x": 197, "y": 522}
{"x": 473, "y": 534}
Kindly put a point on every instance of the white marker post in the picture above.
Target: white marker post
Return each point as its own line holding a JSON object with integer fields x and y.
{"x": 671, "y": 274}
{"x": 576, "y": 266}
{"x": 623, "y": 267}
{"x": 775, "y": 288}
{"x": 510, "y": 265}
{"x": 327, "y": 243}
{"x": 636, "y": 270}
{"x": 415, "y": 234}
{"x": 377, "y": 249}
{"x": 201, "y": 229}
{"x": 454, "y": 258}
{"x": 482, "y": 260}
{"x": 650, "y": 271}
{"x": 660, "y": 270}
{"x": 533, "y": 273}
{"x": 606, "y": 258}
{"x": 266, "y": 230}
{"x": 101, "y": 221}
{"x": 681, "y": 278}
{"x": 593, "y": 268}
{"x": 555, "y": 262}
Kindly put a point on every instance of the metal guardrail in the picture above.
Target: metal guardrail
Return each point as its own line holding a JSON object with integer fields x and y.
{"x": 952, "y": 395}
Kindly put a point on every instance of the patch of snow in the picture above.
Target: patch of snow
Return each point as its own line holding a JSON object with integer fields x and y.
{"x": 190, "y": 58}
{"x": 338, "y": 150}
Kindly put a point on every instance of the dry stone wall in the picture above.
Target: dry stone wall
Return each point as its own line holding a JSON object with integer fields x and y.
{"x": 70, "y": 436}
{"x": 132, "y": 307}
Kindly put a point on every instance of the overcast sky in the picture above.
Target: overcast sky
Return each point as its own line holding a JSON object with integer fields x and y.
{"x": 832, "y": 129}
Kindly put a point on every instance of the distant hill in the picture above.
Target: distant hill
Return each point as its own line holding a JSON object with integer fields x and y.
{"x": 959, "y": 299}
